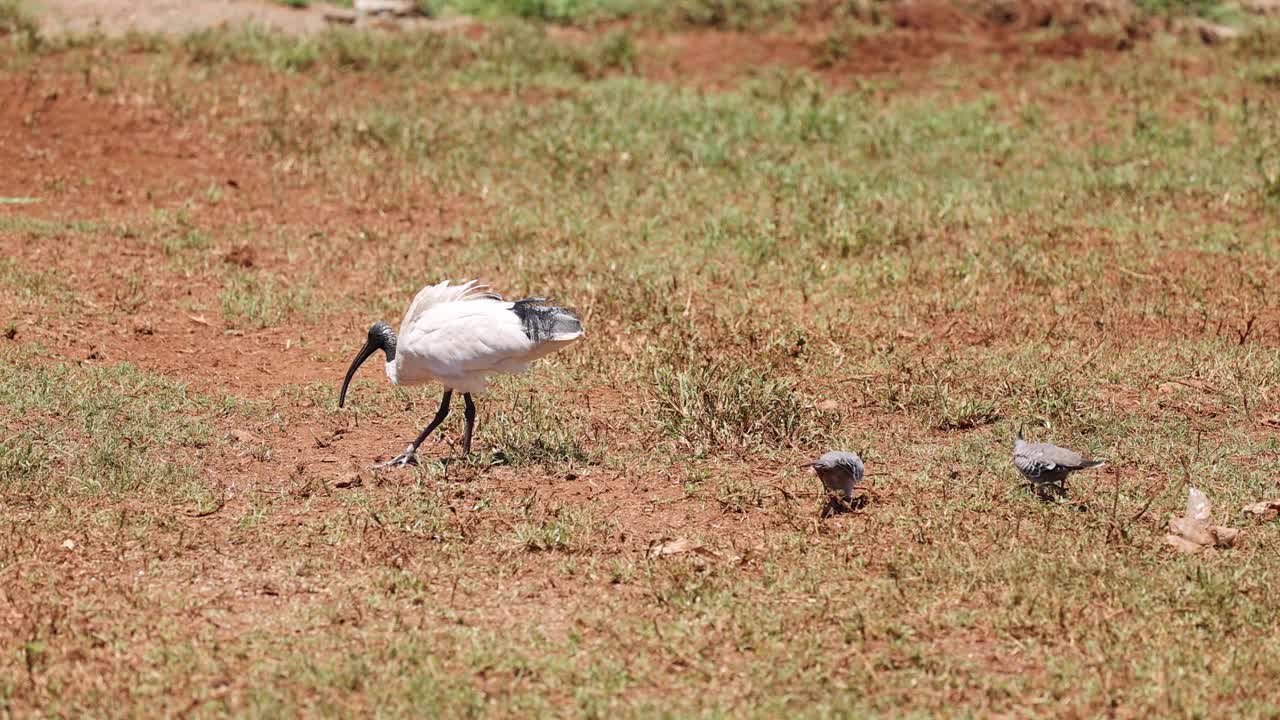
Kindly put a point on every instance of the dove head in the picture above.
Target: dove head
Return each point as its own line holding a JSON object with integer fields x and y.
{"x": 1018, "y": 442}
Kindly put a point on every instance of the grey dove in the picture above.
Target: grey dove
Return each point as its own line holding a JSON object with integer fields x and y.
{"x": 840, "y": 473}
{"x": 1047, "y": 466}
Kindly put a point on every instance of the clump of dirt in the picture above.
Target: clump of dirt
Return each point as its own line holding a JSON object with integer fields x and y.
{"x": 241, "y": 255}
{"x": 716, "y": 57}
{"x": 1076, "y": 44}
{"x": 931, "y": 16}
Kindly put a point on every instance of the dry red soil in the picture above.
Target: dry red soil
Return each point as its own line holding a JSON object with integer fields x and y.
{"x": 92, "y": 155}
{"x": 111, "y": 158}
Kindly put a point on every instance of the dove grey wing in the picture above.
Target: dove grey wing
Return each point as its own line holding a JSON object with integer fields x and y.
{"x": 1063, "y": 458}
{"x": 853, "y": 465}
{"x": 1038, "y": 468}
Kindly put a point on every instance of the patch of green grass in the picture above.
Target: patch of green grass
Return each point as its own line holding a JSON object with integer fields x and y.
{"x": 560, "y": 529}
{"x": 258, "y": 299}
{"x": 34, "y": 227}
{"x": 29, "y": 283}
{"x": 722, "y": 14}
{"x": 18, "y": 26}
{"x": 269, "y": 47}
{"x": 717, "y": 408}
{"x": 186, "y": 241}
{"x": 534, "y": 428}
{"x": 110, "y": 431}
{"x": 553, "y": 10}
{"x": 1212, "y": 9}
{"x": 510, "y": 49}
{"x": 738, "y": 494}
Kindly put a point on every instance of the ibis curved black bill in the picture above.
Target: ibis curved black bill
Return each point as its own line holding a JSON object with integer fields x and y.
{"x": 381, "y": 337}
{"x": 368, "y": 349}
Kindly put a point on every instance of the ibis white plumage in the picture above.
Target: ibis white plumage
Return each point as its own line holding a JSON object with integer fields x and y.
{"x": 459, "y": 335}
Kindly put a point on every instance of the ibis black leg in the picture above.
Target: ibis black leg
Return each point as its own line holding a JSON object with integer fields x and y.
{"x": 441, "y": 414}
{"x": 407, "y": 457}
{"x": 469, "y": 412}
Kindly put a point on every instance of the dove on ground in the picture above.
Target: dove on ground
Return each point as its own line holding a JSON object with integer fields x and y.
{"x": 1046, "y": 466}
{"x": 840, "y": 473}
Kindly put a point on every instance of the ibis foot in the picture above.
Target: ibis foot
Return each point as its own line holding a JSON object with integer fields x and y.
{"x": 404, "y": 459}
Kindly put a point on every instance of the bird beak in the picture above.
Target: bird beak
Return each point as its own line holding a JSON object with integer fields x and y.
{"x": 368, "y": 349}
{"x": 1019, "y": 431}
{"x": 805, "y": 464}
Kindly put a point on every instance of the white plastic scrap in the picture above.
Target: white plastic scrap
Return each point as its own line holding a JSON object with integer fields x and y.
{"x": 1193, "y": 532}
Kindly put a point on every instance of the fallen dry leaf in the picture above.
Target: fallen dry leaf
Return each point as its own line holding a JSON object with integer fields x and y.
{"x": 661, "y": 548}
{"x": 200, "y": 319}
{"x": 671, "y": 547}
{"x": 353, "y": 481}
{"x": 1225, "y": 536}
{"x": 1193, "y": 531}
{"x": 1266, "y": 510}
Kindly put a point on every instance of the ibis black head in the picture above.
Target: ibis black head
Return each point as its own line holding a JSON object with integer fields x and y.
{"x": 381, "y": 337}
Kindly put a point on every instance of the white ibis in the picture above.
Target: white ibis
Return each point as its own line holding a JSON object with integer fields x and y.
{"x": 459, "y": 335}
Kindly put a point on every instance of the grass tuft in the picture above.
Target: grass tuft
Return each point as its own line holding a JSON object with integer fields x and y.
{"x": 718, "y": 408}
{"x": 259, "y": 300}
{"x": 19, "y": 26}
{"x": 97, "y": 430}
{"x": 534, "y": 429}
